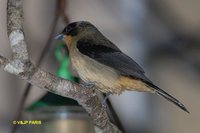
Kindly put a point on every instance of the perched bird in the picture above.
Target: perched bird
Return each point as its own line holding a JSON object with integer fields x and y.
{"x": 101, "y": 63}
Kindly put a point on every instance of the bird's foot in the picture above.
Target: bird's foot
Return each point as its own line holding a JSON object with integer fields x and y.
{"x": 88, "y": 85}
{"x": 105, "y": 99}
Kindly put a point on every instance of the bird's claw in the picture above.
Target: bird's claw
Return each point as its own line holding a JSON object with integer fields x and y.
{"x": 105, "y": 99}
{"x": 87, "y": 85}
{"x": 103, "y": 103}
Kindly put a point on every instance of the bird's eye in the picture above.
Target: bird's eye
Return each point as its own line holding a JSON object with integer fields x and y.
{"x": 67, "y": 30}
{"x": 70, "y": 29}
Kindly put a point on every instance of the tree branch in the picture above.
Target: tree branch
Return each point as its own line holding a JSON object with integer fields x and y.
{"x": 44, "y": 52}
{"x": 21, "y": 66}
{"x": 3, "y": 61}
{"x": 15, "y": 30}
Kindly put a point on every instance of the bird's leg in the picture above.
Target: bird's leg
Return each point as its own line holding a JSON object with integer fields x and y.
{"x": 89, "y": 85}
{"x": 105, "y": 99}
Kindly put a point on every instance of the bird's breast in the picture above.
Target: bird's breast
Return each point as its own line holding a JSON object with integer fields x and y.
{"x": 90, "y": 70}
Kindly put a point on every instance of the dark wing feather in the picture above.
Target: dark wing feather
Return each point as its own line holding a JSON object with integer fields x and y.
{"x": 112, "y": 57}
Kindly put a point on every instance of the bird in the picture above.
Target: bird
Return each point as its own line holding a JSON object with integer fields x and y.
{"x": 100, "y": 63}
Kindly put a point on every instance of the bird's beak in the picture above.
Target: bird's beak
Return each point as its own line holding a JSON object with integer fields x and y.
{"x": 60, "y": 37}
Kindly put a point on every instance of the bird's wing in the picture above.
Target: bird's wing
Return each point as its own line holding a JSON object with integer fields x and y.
{"x": 111, "y": 56}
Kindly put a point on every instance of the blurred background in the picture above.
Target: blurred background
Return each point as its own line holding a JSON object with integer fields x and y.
{"x": 162, "y": 36}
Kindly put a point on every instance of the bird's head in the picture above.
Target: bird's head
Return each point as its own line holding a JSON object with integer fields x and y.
{"x": 76, "y": 30}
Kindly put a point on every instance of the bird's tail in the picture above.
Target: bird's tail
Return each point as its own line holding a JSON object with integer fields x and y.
{"x": 167, "y": 96}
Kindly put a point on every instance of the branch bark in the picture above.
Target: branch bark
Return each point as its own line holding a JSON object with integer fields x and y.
{"x": 21, "y": 66}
